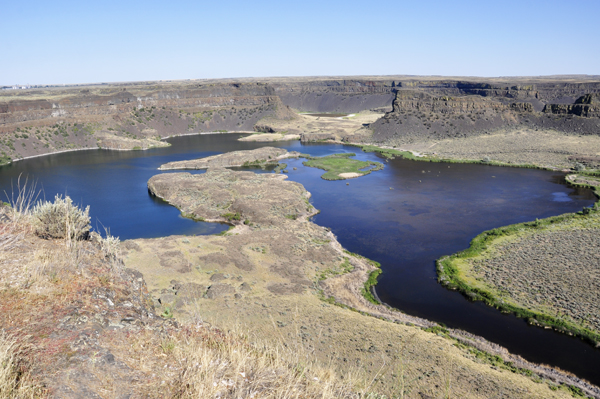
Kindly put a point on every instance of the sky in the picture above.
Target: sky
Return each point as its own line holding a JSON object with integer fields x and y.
{"x": 67, "y": 42}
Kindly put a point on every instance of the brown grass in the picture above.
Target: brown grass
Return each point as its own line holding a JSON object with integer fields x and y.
{"x": 53, "y": 280}
{"x": 229, "y": 366}
{"x": 15, "y": 381}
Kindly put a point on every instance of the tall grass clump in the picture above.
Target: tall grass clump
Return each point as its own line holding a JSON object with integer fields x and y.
{"x": 14, "y": 222}
{"x": 61, "y": 219}
{"x": 14, "y": 383}
{"x": 228, "y": 366}
{"x": 22, "y": 197}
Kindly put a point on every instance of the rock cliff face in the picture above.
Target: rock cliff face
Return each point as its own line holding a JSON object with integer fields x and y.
{"x": 417, "y": 114}
{"x": 586, "y": 106}
{"x": 138, "y": 115}
{"x": 131, "y": 118}
{"x": 427, "y": 113}
{"x": 349, "y": 96}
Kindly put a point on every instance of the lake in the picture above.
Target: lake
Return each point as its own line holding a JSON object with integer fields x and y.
{"x": 404, "y": 216}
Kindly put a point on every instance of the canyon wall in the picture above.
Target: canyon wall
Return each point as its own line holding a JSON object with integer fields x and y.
{"x": 138, "y": 115}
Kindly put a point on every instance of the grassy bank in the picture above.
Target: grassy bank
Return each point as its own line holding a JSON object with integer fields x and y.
{"x": 390, "y": 153}
{"x": 453, "y": 271}
{"x": 337, "y": 165}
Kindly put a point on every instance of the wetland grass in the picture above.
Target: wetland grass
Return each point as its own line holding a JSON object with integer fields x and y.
{"x": 341, "y": 166}
{"x": 454, "y": 271}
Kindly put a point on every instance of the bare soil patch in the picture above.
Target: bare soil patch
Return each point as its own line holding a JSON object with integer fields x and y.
{"x": 315, "y": 128}
{"x": 349, "y": 175}
{"x": 270, "y": 137}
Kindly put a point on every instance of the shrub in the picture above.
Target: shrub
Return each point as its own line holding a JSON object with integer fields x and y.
{"x": 61, "y": 219}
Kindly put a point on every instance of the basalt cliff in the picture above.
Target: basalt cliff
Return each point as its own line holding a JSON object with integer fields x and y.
{"x": 138, "y": 115}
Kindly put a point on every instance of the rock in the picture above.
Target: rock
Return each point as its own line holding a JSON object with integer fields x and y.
{"x": 219, "y": 290}
{"x": 245, "y": 287}
{"x": 190, "y": 292}
{"x": 217, "y": 277}
{"x": 167, "y": 299}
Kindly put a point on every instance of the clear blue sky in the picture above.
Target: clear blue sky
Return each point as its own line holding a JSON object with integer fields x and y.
{"x": 53, "y": 42}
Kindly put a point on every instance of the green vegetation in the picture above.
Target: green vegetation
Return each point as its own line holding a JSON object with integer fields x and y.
{"x": 225, "y": 232}
{"x": 5, "y": 159}
{"x": 193, "y": 217}
{"x": 343, "y": 268}
{"x": 387, "y": 152}
{"x": 232, "y": 216}
{"x": 367, "y": 291}
{"x": 451, "y": 273}
{"x": 372, "y": 280}
{"x": 337, "y": 164}
{"x": 392, "y": 153}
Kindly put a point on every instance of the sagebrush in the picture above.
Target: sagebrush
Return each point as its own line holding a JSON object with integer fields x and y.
{"x": 61, "y": 219}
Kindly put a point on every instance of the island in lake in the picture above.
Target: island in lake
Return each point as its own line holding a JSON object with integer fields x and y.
{"x": 277, "y": 293}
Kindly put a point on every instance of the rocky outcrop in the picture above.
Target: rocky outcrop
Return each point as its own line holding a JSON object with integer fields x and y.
{"x": 420, "y": 115}
{"x": 336, "y": 95}
{"x": 41, "y": 121}
{"x": 115, "y": 121}
{"x": 412, "y": 100}
{"x": 587, "y": 106}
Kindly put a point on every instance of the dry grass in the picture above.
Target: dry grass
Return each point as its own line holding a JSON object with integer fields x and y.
{"x": 55, "y": 305}
{"x": 53, "y": 281}
{"x": 517, "y": 146}
{"x": 15, "y": 382}
{"x": 229, "y": 366}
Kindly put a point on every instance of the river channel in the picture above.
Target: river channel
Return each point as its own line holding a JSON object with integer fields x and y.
{"x": 404, "y": 216}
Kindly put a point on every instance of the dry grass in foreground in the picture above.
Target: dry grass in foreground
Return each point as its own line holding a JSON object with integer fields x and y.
{"x": 15, "y": 381}
{"x": 75, "y": 323}
{"x": 213, "y": 364}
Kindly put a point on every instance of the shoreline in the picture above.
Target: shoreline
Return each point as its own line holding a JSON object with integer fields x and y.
{"x": 395, "y": 315}
{"x": 354, "y": 299}
{"x": 449, "y": 274}
{"x": 120, "y": 149}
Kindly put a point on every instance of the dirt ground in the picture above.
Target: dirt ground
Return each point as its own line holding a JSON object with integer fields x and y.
{"x": 271, "y": 274}
{"x": 396, "y": 357}
{"x": 309, "y": 127}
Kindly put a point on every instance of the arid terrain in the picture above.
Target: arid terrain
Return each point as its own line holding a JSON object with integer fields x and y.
{"x": 554, "y": 271}
{"x": 504, "y": 119}
{"x": 271, "y": 273}
{"x": 111, "y": 319}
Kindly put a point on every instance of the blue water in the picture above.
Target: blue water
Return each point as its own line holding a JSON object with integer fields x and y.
{"x": 404, "y": 216}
